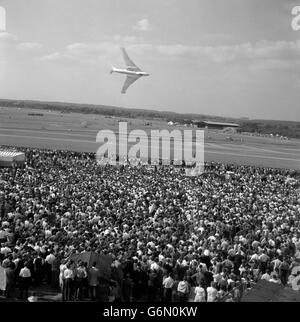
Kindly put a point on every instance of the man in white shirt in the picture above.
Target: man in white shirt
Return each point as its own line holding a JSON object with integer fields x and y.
{"x": 25, "y": 279}
{"x": 168, "y": 283}
{"x": 68, "y": 282}
{"x": 50, "y": 258}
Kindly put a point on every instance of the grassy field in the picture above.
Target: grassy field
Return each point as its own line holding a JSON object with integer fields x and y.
{"x": 75, "y": 131}
{"x": 290, "y": 129}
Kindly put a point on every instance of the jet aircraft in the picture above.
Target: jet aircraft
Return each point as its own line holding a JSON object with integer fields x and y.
{"x": 132, "y": 71}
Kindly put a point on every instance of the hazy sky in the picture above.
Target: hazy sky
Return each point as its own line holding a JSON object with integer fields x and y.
{"x": 220, "y": 57}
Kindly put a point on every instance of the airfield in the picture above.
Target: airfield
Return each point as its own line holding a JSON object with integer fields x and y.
{"x": 77, "y": 132}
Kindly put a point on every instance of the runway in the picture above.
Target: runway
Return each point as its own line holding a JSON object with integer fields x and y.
{"x": 283, "y": 155}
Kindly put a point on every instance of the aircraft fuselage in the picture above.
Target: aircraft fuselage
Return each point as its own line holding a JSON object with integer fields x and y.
{"x": 129, "y": 72}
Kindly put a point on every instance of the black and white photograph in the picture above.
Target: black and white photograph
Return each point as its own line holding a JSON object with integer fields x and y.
{"x": 149, "y": 154}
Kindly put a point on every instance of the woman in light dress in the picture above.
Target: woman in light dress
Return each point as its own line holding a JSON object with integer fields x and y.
{"x": 200, "y": 294}
{"x": 212, "y": 292}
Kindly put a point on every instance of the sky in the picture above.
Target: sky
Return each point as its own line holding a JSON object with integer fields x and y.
{"x": 235, "y": 58}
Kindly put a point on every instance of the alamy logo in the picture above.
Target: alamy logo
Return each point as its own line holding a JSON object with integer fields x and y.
{"x": 2, "y": 19}
{"x": 296, "y": 20}
{"x": 139, "y": 147}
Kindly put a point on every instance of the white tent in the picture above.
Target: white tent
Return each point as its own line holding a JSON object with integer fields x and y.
{"x": 8, "y": 158}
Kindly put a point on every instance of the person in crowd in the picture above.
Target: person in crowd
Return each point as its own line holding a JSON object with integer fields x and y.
{"x": 200, "y": 293}
{"x": 10, "y": 280}
{"x": 68, "y": 281}
{"x": 152, "y": 285}
{"x": 93, "y": 280}
{"x": 62, "y": 268}
{"x": 80, "y": 275}
{"x": 127, "y": 288}
{"x": 275, "y": 279}
{"x": 38, "y": 263}
{"x": 266, "y": 276}
{"x": 175, "y": 297}
{"x": 104, "y": 290}
{"x": 284, "y": 271}
{"x": 115, "y": 292}
{"x": 49, "y": 260}
{"x": 25, "y": 281}
{"x": 212, "y": 292}
{"x": 168, "y": 283}
{"x": 183, "y": 290}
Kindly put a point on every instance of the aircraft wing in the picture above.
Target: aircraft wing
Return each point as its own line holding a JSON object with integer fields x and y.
{"x": 130, "y": 79}
{"x": 129, "y": 63}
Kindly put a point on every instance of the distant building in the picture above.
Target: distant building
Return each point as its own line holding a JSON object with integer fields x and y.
{"x": 217, "y": 125}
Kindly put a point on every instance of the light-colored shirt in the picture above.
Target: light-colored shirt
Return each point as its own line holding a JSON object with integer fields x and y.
{"x": 200, "y": 294}
{"x": 25, "y": 272}
{"x": 183, "y": 287}
{"x": 50, "y": 259}
{"x": 168, "y": 282}
{"x": 211, "y": 294}
{"x": 81, "y": 272}
{"x": 154, "y": 266}
{"x": 277, "y": 263}
{"x": 68, "y": 273}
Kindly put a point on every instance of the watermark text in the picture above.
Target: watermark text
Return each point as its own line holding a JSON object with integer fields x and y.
{"x": 296, "y": 20}
{"x": 137, "y": 146}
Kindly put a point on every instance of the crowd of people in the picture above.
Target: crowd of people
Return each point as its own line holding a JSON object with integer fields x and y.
{"x": 170, "y": 237}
